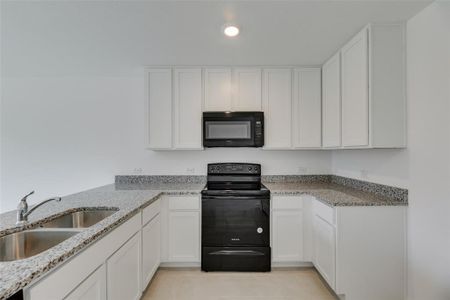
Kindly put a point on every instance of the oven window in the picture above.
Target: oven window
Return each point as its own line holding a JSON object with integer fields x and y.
{"x": 229, "y": 222}
{"x": 218, "y": 130}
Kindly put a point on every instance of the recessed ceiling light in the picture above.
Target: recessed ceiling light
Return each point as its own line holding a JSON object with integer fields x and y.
{"x": 231, "y": 30}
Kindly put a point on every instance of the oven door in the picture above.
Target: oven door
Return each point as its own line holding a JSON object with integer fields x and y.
{"x": 233, "y": 129}
{"x": 235, "y": 221}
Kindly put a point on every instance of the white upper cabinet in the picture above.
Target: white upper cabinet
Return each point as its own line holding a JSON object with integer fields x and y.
{"x": 159, "y": 108}
{"x": 174, "y": 108}
{"x": 277, "y": 106}
{"x": 307, "y": 108}
{"x": 217, "y": 89}
{"x": 188, "y": 108}
{"x": 356, "y": 100}
{"x": 387, "y": 85}
{"x": 355, "y": 92}
{"x": 373, "y": 88}
{"x": 331, "y": 103}
{"x": 246, "y": 89}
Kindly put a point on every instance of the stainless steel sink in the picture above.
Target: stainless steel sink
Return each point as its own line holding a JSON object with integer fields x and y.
{"x": 79, "y": 219}
{"x": 28, "y": 243}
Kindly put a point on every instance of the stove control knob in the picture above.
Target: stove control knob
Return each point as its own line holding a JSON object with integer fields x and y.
{"x": 259, "y": 230}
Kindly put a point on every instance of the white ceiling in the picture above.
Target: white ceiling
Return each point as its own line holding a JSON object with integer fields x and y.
{"x": 68, "y": 36}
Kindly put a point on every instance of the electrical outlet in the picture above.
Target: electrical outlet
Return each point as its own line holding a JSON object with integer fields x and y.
{"x": 302, "y": 170}
{"x": 364, "y": 174}
{"x": 190, "y": 170}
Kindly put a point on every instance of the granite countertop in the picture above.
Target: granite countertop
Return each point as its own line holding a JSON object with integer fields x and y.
{"x": 333, "y": 194}
{"x": 129, "y": 198}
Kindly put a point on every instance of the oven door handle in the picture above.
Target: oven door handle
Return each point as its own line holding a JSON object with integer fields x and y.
{"x": 237, "y": 253}
{"x": 229, "y": 197}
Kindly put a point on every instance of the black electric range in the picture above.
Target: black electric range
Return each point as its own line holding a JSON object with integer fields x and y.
{"x": 235, "y": 219}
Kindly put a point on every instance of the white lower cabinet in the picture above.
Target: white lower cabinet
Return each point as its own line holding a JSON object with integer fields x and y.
{"x": 180, "y": 230}
{"x": 151, "y": 234}
{"x": 353, "y": 249}
{"x": 287, "y": 230}
{"x": 92, "y": 288}
{"x": 184, "y": 236}
{"x": 349, "y": 246}
{"x": 85, "y": 276}
{"x": 325, "y": 249}
{"x": 124, "y": 271}
{"x": 324, "y": 237}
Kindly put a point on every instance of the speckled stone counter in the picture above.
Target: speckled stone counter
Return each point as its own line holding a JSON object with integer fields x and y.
{"x": 127, "y": 198}
{"x": 333, "y": 194}
{"x": 131, "y": 193}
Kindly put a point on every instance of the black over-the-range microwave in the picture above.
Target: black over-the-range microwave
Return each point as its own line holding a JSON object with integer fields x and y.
{"x": 233, "y": 129}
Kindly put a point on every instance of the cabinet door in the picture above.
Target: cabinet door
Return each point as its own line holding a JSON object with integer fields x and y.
{"x": 287, "y": 236}
{"x": 307, "y": 108}
{"x": 124, "y": 271}
{"x": 92, "y": 288}
{"x": 151, "y": 245}
{"x": 188, "y": 108}
{"x": 247, "y": 89}
{"x": 218, "y": 89}
{"x": 325, "y": 249}
{"x": 355, "y": 92}
{"x": 277, "y": 105}
{"x": 159, "y": 108}
{"x": 184, "y": 236}
{"x": 331, "y": 103}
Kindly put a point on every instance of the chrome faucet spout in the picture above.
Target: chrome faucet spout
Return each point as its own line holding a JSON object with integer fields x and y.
{"x": 57, "y": 199}
{"x": 23, "y": 212}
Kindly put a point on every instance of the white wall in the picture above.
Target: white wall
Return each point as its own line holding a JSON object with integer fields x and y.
{"x": 385, "y": 166}
{"x": 72, "y": 99}
{"x": 429, "y": 152}
{"x": 71, "y": 111}
{"x": 64, "y": 135}
{"x": 425, "y": 166}
{"x": 73, "y": 88}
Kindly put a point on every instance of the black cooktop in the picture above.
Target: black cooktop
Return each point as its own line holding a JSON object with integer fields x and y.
{"x": 235, "y": 179}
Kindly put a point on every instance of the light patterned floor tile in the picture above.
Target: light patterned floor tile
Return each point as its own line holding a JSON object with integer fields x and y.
{"x": 192, "y": 284}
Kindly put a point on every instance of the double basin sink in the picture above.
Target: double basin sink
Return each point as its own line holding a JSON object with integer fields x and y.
{"x": 27, "y": 243}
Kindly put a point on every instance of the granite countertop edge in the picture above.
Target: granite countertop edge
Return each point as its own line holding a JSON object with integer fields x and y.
{"x": 19, "y": 274}
{"x": 130, "y": 199}
{"x": 332, "y": 203}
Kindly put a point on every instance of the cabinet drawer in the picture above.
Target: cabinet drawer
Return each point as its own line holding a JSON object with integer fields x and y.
{"x": 184, "y": 202}
{"x": 287, "y": 202}
{"x": 151, "y": 211}
{"x": 324, "y": 211}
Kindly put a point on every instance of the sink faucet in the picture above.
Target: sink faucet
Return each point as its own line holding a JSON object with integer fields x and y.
{"x": 22, "y": 208}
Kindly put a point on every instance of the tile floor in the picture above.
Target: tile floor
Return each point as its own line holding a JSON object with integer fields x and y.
{"x": 192, "y": 284}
